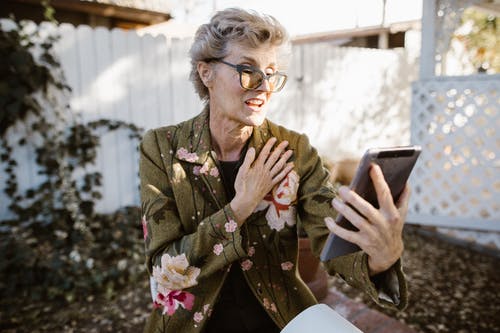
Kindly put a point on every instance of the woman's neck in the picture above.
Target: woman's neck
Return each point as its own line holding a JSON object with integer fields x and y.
{"x": 228, "y": 137}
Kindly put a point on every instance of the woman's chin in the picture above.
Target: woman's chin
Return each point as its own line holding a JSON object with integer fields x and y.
{"x": 256, "y": 119}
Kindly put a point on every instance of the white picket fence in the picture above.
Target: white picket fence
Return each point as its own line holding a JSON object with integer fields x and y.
{"x": 345, "y": 99}
{"x": 118, "y": 75}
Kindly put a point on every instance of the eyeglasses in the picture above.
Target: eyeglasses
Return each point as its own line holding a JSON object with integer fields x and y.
{"x": 251, "y": 77}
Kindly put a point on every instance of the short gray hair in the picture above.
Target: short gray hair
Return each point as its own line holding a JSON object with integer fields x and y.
{"x": 248, "y": 28}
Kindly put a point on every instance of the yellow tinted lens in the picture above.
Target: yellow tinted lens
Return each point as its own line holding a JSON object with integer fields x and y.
{"x": 273, "y": 82}
{"x": 250, "y": 79}
{"x": 276, "y": 82}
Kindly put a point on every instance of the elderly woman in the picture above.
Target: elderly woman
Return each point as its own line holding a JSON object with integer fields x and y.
{"x": 222, "y": 194}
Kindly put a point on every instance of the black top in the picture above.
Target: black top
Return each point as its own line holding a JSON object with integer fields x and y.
{"x": 237, "y": 309}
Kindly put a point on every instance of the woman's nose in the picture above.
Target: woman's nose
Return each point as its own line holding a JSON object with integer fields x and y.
{"x": 265, "y": 85}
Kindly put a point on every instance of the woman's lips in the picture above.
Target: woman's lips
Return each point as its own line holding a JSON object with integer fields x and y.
{"x": 254, "y": 102}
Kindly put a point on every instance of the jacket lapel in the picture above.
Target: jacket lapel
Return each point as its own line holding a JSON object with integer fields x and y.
{"x": 259, "y": 137}
{"x": 195, "y": 149}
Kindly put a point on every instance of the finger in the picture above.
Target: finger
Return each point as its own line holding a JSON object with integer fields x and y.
{"x": 404, "y": 197}
{"x": 362, "y": 206}
{"x": 351, "y": 215}
{"x": 384, "y": 195}
{"x": 275, "y": 155}
{"x": 264, "y": 153}
{"x": 279, "y": 177}
{"x": 350, "y": 236}
{"x": 403, "y": 202}
{"x": 281, "y": 162}
{"x": 249, "y": 158}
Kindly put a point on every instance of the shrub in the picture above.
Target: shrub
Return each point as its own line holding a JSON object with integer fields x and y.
{"x": 57, "y": 246}
{"x": 66, "y": 263}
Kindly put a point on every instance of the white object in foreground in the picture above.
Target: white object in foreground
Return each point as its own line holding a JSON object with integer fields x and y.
{"x": 320, "y": 318}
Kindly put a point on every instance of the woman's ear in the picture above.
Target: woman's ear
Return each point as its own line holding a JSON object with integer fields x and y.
{"x": 206, "y": 72}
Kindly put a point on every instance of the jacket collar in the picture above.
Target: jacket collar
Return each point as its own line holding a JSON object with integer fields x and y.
{"x": 194, "y": 146}
{"x": 194, "y": 143}
{"x": 196, "y": 140}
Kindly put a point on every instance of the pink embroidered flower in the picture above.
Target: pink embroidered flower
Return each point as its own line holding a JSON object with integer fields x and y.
{"x": 174, "y": 274}
{"x": 206, "y": 308}
{"x": 280, "y": 202}
{"x": 266, "y": 302}
{"x": 214, "y": 172}
{"x": 218, "y": 248}
{"x": 183, "y": 154}
{"x": 204, "y": 169}
{"x": 172, "y": 299}
{"x": 246, "y": 265}
{"x": 170, "y": 278}
{"x": 196, "y": 170}
{"x": 198, "y": 317}
{"x": 268, "y": 305}
{"x": 231, "y": 226}
{"x": 251, "y": 251}
{"x": 286, "y": 266}
{"x": 144, "y": 226}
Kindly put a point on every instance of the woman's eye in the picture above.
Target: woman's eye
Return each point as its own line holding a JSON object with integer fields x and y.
{"x": 270, "y": 71}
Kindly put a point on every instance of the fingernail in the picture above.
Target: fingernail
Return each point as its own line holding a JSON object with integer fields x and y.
{"x": 343, "y": 190}
{"x": 336, "y": 203}
{"x": 329, "y": 222}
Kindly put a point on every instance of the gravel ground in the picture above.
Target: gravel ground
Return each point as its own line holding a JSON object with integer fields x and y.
{"x": 452, "y": 289}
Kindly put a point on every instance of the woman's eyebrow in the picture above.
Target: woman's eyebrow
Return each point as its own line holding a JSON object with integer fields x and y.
{"x": 254, "y": 62}
{"x": 248, "y": 59}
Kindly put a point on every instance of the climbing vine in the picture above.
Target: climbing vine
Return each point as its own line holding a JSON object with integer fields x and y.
{"x": 55, "y": 244}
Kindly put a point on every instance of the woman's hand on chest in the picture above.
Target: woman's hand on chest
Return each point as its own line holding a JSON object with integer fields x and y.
{"x": 257, "y": 176}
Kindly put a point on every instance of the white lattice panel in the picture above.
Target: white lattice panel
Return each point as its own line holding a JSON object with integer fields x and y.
{"x": 456, "y": 181}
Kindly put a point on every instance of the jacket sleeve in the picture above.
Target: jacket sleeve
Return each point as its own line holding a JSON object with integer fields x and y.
{"x": 388, "y": 289}
{"x": 211, "y": 246}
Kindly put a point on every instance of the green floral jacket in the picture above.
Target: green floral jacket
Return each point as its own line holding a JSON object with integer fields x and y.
{"x": 192, "y": 239}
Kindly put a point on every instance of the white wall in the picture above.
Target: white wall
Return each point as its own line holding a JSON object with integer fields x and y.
{"x": 347, "y": 99}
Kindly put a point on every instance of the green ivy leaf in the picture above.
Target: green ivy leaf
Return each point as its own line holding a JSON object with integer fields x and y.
{"x": 40, "y": 210}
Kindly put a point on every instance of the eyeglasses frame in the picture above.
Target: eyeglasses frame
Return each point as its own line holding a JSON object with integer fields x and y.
{"x": 241, "y": 68}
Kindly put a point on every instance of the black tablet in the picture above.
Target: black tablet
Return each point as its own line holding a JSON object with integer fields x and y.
{"x": 396, "y": 164}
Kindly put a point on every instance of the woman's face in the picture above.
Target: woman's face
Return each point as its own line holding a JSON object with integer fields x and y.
{"x": 228, "y": 99}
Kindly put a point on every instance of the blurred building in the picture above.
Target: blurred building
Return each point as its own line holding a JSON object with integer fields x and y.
{"x": 126, "y": 14}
